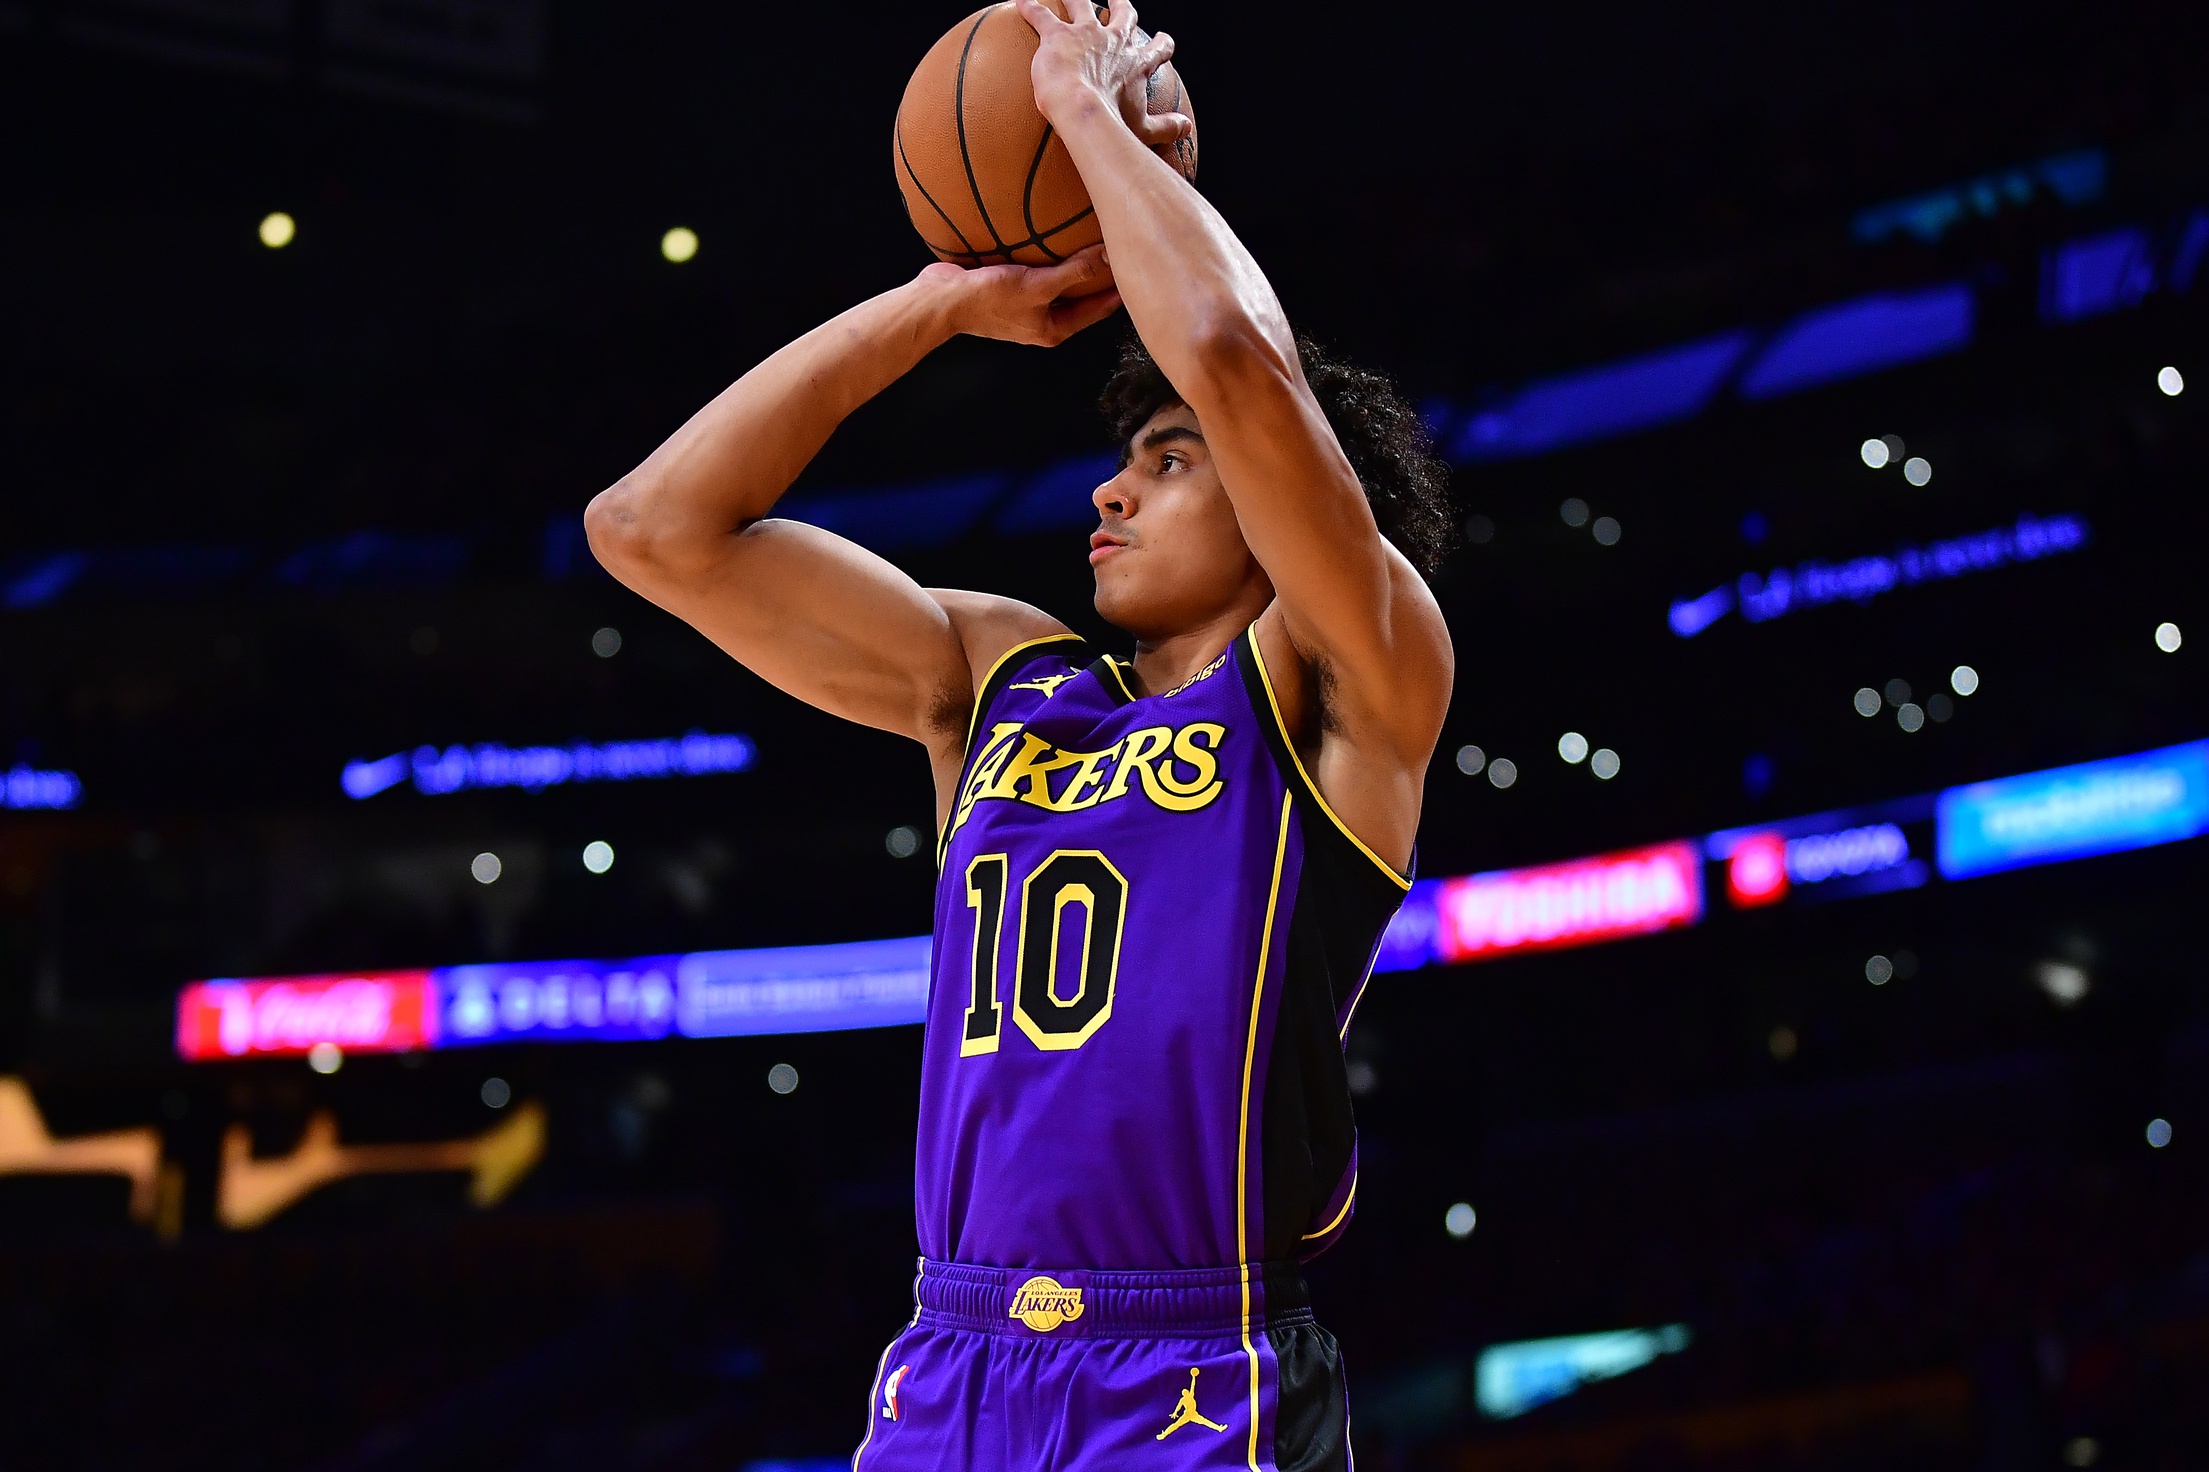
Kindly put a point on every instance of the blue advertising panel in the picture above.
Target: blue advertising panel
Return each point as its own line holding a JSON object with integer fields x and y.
{"x": 869, "y": 983}
{"x": 556, "y": 1001}
{"x": 2072, "y": 812}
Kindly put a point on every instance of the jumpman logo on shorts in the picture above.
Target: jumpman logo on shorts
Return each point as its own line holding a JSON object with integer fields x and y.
{"x": 1048, "y": 684}
{"x": 1186, "y": 1413}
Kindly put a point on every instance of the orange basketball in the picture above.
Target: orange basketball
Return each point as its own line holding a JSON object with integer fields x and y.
{"x": 985, "y": 178}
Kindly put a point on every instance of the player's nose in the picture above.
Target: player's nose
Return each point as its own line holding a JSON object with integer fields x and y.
{"x": 1113, "y": 499}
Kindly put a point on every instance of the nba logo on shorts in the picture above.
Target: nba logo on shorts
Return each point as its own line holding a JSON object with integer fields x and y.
{"x": 889, "y": 1391}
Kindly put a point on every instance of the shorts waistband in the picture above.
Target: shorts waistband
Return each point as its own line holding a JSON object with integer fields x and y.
{"x": 1091, "y": 1303}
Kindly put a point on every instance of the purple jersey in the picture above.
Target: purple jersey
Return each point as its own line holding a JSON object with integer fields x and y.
{"x": 1151, "y": 933}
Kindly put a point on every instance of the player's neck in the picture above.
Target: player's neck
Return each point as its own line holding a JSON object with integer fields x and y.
{"x": 1166, "y": 663}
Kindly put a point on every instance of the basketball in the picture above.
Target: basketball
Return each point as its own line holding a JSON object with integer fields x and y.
{"x": 985, "y": 179}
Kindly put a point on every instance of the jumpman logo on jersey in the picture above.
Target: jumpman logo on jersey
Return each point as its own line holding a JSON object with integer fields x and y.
{"x": 1186, "y": 1413}
{"x": 1048, "y": 684}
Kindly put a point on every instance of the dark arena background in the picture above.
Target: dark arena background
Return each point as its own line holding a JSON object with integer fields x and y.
{"x": 1796, "y": 1061}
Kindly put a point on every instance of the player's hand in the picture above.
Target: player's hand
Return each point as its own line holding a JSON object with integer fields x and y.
{"x": 1038, "y": 305}
{"x": 1111, "y": 61}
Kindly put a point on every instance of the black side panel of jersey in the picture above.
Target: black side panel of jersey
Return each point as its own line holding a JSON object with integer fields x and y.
{"x": 1343, "y": 902}
{"x": 1311, "y": 1417}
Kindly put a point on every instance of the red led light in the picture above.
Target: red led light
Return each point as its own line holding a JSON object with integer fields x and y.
{"x": 376, "y": 1012}
{"x": 1757, "y": 872}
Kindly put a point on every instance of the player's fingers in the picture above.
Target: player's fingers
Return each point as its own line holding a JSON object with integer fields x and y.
{"x": 1155, "y": 55}
{"x": 1071, "y": 316}
{"x": 1080, "y": 274}
{"x": 1038, "y": 15}
{"x": 1120, "y": 14}
{"x": 1156, "y": 130}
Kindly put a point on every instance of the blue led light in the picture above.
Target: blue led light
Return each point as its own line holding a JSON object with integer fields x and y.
{"x": 534, "y": 768}
{"x": 926, "y": 515}
{"x": 1764, "y": 596}
{"x": 1058, "y": 497}
{"x": 27, "y": 789}
{"x": 1598, "y": 403}
{"x": 1847, "y": 340}
{"x": 2102, "y": 807}
{"x": 1512, "y": 1379}
{"x": 875, "y": 983}
{"x": 2076, "y": 178}
{"x": 2103, "y": 273}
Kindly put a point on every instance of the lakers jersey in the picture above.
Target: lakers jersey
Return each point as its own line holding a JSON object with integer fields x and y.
{"x": 1151, "y": 933}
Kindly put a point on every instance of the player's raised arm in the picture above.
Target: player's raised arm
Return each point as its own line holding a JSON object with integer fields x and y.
{"x": 1348, "y": 601}
{"x": 814, "y": 614}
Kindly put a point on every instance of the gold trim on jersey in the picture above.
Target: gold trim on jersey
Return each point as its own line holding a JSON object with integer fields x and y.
{"x": 974, "y": 719}
{"x": 1288, "y": 743}
{"x": 1242, "y": 1140}
{"x": 1347, "y": 1202}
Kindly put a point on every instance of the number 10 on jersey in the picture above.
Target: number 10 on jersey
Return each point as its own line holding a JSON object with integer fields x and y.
{"x": 1061, "y": 991}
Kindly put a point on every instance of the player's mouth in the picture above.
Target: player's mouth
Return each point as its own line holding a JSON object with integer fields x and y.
{"x": 1102, "y": 544}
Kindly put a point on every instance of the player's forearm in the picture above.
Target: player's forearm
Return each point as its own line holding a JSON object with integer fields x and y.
{"x": 733, "y": 460}
{"x": 1198, "y": 299}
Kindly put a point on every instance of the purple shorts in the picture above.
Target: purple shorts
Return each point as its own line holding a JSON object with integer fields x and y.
{"x": 1026, "y": 1370}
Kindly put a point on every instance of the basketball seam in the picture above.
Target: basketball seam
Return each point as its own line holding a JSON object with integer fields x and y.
{"x": 898, "y": 132}
{"x": 958, "y": 112}
{"x": 978, "y": 257}
{"x": 1027, "y": 197}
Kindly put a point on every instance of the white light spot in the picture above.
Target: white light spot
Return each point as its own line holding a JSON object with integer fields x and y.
{"x": 1573, "y": 747}
{"x": 1898, "y": 693}
{"x": 1964, "y": 680}
{"x": 2168, "y": 638}
{"x": 1503, "y": 771}
{"x": 486, "y": 868}
{"x": 598, "y": 856}
{"x": 2159, "y": 1133}
{"x": 1470, "y": 759}
{"x": 902, "y": 842}
{"x": 1866, "y": 701}
{"x": 606, "y": 643}
{"x": 1574, "y": 511}
{"x": 325, "y": 1057}
{"x": 2065, "y": 984}
{"x": 1894, "y": 445}
{"x": 1917, "y": 470}
{"x": 1606, "y": 530}
{"x": 278, "y": 230}
{"x": 1604, "y": 763}
{"x": 497, "y": 1093}
{"x": 2081, "y": 1451}
{"x": 1875, "y": 453}
{"x": 1460, "y": 1220}
{"x": 1910, "y": 716}
{"x": 2171, "y": 381}
{"x": 679, "y": 244}
{"x": 1879, "y": 971}
{"x": 1939, "y": 707}
{"x": 783, "y": 1079}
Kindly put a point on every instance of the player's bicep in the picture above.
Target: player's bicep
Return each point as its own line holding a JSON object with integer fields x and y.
{"x": 823, "y": 619}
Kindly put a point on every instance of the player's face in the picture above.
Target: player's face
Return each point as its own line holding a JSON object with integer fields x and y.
{"x": 1168, "y": 553}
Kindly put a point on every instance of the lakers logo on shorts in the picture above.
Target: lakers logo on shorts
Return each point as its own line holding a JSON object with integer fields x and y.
{"x": 1043, "y": 1304}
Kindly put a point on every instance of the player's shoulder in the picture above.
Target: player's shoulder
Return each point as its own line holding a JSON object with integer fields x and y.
{"x": 990, "y": 627}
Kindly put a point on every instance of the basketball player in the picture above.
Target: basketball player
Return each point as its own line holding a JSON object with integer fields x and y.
{"x": 1163, "y": 878}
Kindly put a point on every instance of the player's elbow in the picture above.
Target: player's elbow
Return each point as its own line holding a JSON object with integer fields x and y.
{"x": 1232, "y": 353}
{"x": 632, "y": 538}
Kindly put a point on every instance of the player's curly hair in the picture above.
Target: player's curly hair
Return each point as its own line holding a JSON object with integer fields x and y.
{"x": 1387, "y": 442}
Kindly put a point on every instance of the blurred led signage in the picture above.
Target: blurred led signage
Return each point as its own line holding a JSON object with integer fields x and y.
{"x": 1852, "y": 338}
{"x": 534, "y": 768}
{"x": 1598, "y": 403}
{"x": 26, "y": 789}
{"x": 1813, "y": 584}
{"x": 373, "y": 1012}
{"x": 2075, "y": 178}
{"x": 881, "y": 983}
{"x": 1512, "y": 1379}
{"x": 2100, "y": 807}
{"x": 1548, "y": 907}
{"x": 2041, "y": 817}
{"x": 2097, "y": 275}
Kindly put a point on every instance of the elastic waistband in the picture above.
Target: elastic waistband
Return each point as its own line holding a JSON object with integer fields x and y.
{"x": 1090, "y": 1303}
